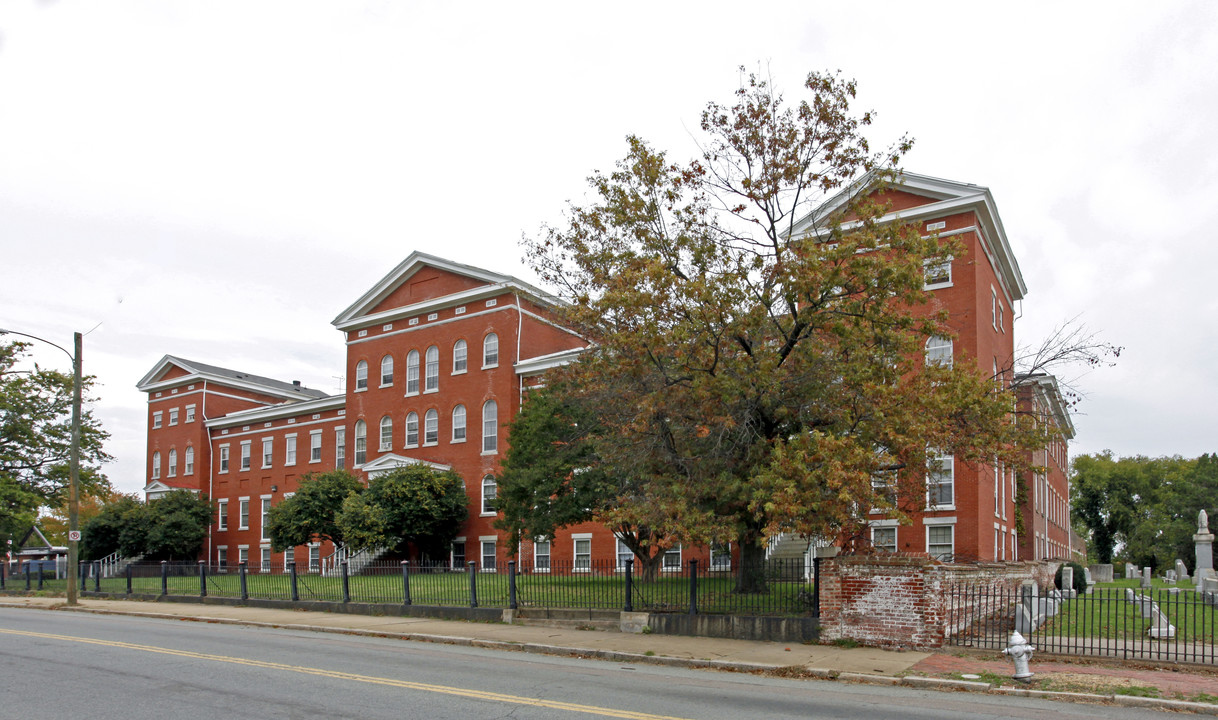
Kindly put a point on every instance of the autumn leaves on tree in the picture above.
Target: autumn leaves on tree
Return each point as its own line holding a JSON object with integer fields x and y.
{"x": 755, "y": 368}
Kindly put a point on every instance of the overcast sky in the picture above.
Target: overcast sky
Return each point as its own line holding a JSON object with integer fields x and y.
{"x": 218, "y": 180}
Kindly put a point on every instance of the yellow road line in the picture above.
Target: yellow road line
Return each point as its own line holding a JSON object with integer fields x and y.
{"x": 406, "y": 684}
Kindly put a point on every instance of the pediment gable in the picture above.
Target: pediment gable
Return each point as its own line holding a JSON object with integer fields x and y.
{"x": 387, "y": 463}
{"x": 426, "y": 283}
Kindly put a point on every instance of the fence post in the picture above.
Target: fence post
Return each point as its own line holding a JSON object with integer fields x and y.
{"x": 292, "y": 580}
{"x": 629, "y": 586}
{"x": 405, "y": 582}
{"x": 346, "y": 582}
{"x": 40, "y": 574}
{"x": 128, "y": 578}
{"x": 202, "y": 578}
{"x": 83, "y": 569}
{"x": 815, "y": 587}
{"x": 473, "y": 584}
{"x": 693, "y": 587}
{"x": 512, "y": 584}
{"x": 164, "y": 577}
{"x": 3, "y": 569}
{"x": 27, "y": 577}
{"x": 97, "y": 569}
{"x": 245, "y": 588}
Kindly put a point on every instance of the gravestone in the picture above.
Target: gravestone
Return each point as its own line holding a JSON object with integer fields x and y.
{"x": 1160, "y": 628}
{"x": 1090, "y": 581}
{"x": 1170, "y": 576}
{"x": 1131, "y": 572}
{"x": 1203, "y": 543}
{"x": 1181, "y": 569}
{"x": 1101, "y": 572}
{"x": 1145, "y": 577}
{"x": 1067, "y": 590}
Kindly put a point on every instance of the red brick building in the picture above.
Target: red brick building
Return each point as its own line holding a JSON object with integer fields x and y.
{"x": 439, "y": 355}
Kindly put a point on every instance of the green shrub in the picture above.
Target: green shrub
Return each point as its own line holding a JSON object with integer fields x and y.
{"x": 1080, "y": 577}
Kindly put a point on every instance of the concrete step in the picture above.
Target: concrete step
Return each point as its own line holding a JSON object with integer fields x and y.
{"x": 570, "y": 618}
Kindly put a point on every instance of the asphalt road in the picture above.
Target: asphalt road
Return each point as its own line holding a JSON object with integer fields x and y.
{"x": 67, "y": 665}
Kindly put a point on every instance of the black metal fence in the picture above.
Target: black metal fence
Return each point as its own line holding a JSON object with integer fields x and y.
{"x": 1166, "y": 624}
{"x": 780, "y": 587}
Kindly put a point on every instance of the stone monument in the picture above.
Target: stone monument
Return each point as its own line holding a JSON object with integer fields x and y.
{"x": 1204, "y": 544}
{"x": 1181, "y": 569}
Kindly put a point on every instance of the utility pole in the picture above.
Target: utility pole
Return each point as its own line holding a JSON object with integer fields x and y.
{"x": 74, "y": 491}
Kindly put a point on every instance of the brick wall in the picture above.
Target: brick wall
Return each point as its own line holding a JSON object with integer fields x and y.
{"x": 898, "y": 600}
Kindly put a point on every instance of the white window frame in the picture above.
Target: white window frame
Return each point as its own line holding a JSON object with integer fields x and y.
{"x": 247, "y": 448}
{"x": 190, "y": 414}
{"x": 884, "y": 525}
{"x": 289, "y": 449}
{"x": 387, "y": 371}
{"x": 265, "y": 564}
{"x": 931, "y": 268}
{"x": 386, "y": 443}
{"x": 222, "y": 558}
{"x": 171, "y": 465}
{"x": 490, "y": 351}
{"x": 412, "y": 372}
{"x": 188, "y": 462}
{"x": 173, "y": 417}
{"x": 224, "y": 459}
{"x": 314, "y": 557}
{"x": 460, "y": 357}
{"x": 412, "y": 429}
{"x": 222, "y": 515}
{"x": 624, "y": 553}
{"x": 488, "y": 481}
{"x": 458, "y": 423}
{"x": 994, "y": 307}
{"x": 361, "y": 376}
{"x": 541, "y": 560}
{"x": 431, "y": 427}
{"x": 934, "y": 485}
{"x": 243, "y": 555}
{"x": 157, "y": 416}
{"x": 268, "y": 453}
{"x": 581, "y": 552}
{"x": 156, "y": 465}
{"x": 721, "y": 556}
{"x": 485, "y": 542}
{"x": 949, "y": 522}
{"x": 940, "y": 351}
{"x": 361, "y": 444}
{"x": 243, "y": 513}
{"x": 340, "y": 448}
{"x": 263, "y": 517}
{"x": 490, "y": 427}
{"x": 452, "y": 553}
{"x": 431, "y": 370}
{"x": 666, "y": 564}
{"x": 314, "y": 446}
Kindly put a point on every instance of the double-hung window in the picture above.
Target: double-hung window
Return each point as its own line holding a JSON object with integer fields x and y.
{"x": 412, "y": 429}
{"x": 460, "y": 352}
{"x": 431, "y": 378}
{"x": 386, "y": 433}
{"x": 490, "y": 351}
{"x": 490, "y": 490}
{"x": 941, "y": 482}
{"x": 412, "y": 373}
{"x": 246, "y": 449}
{"x": 431, "y": 427}
{"x": 361, "y": 376}
{"x": 315, "y": 446}
{"x": 490, "y": 427}
{"x": 361, "y": 443}
{"x": 289, "y": 453}
{"x": 387, "y": 371}
{"x": 459, "y": 424}
{"x": 188, "y": 468}
{"x": 583, "y": 552}
{"x": 268, "y": 452}
{"x": 223, "y": 458}
{"x": 222, "y": 515}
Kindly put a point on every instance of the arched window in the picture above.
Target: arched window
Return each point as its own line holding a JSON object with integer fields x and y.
{"x": 431, "y": 381}
{"x": 431, "y": 427}
{"x": 412, "y": 373}
{"x": 939, "y": 351}
{"x": 361, "y": 375}
{"x": 173, "y": 463}
{"x": 386, "y": 433}
{"x": 386, "y": 370}
{"x": 412, "y": 430}
{"x": 490, "y": 427}
{"x": 489, "y": 490}
{"x": 156, "y": 465}
{"x": 459, "y": 423}
{"x": 361, "y": 443}
{"x": 459, "y": 353}
{"x": 490, "y": 351}
{"x": 189, "y": 467}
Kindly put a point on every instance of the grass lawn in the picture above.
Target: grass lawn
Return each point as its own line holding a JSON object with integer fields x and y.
{"x": 1106, "y": 613}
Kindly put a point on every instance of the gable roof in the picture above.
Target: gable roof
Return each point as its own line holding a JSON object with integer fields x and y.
{"x": 361, "y": 312}
{"x": 390, "y": 462}
{"x": 947, "y": 196}
{"x": 196, "y": 371}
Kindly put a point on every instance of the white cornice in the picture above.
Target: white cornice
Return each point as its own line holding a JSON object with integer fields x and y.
{"x": 149, "y": 384}
{"x": 278, "y": 412}
{"x": 387, "y": 463}
{"x": 541, "y": 363}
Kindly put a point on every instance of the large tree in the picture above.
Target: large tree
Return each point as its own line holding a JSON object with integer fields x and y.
{"x": 36, "y": 439}
{"x": 551, "y": 476}
{"x": 410, "y": 505}
{"x": 311, "y": 513}
{"x": 767, "y": 373}
{"x": 171, "y": 527}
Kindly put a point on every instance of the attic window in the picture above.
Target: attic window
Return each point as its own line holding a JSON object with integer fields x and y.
{"x": 412, "y": 321}
{"x": 342, "y": 413}
{"x": 492, "y": 302}
{"x": 936, "y": 225}
{"x": 317, "y": 416}
{"x": 190, "y": 387}
{"x": 387, "y": 328}
{"x": 432, "y": 316}
{"x": 245, "y": 427}
{"x": 173, "y": 391}
{"x": 266, "y": 424}
{"x": 362, "y": 333}
{"x": 291, "y": 421}
{"x": 158, "y": 394}
{"x": 224, "y": 431}
{"x": 459, "y": 311}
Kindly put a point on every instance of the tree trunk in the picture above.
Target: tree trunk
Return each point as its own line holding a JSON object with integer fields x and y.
{"x": 750, "y": 577}
{"x": 648, "y": 566}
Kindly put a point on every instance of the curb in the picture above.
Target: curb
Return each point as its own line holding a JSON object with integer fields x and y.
{"x": 912, "y": 681}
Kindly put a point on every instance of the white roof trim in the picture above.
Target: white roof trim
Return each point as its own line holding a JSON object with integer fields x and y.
{"x": 541, "y": 363}
{"x": 148, "y": 383}
{"x": 1046, "y": 386}
{"x": 282, "y": 410}
{"x": 387, "y": 463}
{"x": 355, "y": 314}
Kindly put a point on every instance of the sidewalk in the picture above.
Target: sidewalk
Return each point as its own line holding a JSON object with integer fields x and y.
{"x": 1080, "y": 681}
